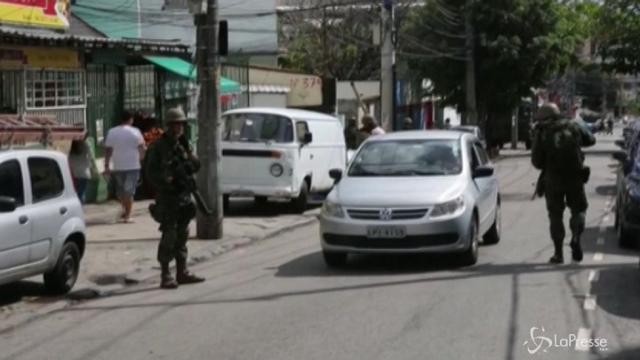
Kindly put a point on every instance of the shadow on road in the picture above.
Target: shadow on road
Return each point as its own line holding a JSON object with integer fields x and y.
{"x": 312, "y": 265}
{"x": 612, "y": 247}
{"x": 606, "y": 190}
{"x": 359, "y": 265}
{"x": 20, "y": 291}
{"x": 631, "y": 354}
{"x": 618, "y": 291}
{"x": 249, "y": 208}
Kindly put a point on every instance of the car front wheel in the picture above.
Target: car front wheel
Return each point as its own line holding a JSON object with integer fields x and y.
{"x": 470, "y": 256}
{"x": 493, "y": 235}
{"x": 61, "y": 279}
{"x": 301, "y": 202}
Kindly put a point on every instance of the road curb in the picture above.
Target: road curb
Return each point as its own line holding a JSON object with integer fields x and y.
{"x": 207, "y": 254}
{"x": 219, "y": 247}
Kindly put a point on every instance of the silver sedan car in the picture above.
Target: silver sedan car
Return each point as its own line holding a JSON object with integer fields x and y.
{"x": 413, "y": 192}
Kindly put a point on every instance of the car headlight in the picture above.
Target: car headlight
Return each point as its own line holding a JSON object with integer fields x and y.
{"x": 448, "y": 208}
{"x": 332, "y": 210}
{"x": 276, "y": 170}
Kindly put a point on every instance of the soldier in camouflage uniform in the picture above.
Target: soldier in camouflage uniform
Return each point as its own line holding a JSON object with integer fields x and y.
{"x": 174, "y": 208}
{"x": 557, "y": 152}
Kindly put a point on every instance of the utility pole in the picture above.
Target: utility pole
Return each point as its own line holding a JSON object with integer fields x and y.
{"x": 209, "y": 150}
{"x": 471, "y": 117}
{"x": 387, "y": 66}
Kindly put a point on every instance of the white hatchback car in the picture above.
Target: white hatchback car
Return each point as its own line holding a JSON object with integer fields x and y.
{"x": 413, "y": 192}
{"x": 42, "y": 228}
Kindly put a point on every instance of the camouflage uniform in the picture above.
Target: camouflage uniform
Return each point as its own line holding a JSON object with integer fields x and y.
{"x": 174, "y": 208}
{"x": 563, "y": 186}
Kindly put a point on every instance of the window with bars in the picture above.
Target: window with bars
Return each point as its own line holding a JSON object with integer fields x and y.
{"x": 54, "y": 89}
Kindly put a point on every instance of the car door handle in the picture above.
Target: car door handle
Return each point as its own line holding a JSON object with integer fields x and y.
{"x": 23, "y": 219}
{"x": 63, "y": 211}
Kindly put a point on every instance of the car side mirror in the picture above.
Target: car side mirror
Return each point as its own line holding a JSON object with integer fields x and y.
{"x": 7, "y": 204}
{"x": 336, "y": 175}
{"x": 483, "y": 172}
{"x": 308, "y": 138}
{"x": 621, "y": 144}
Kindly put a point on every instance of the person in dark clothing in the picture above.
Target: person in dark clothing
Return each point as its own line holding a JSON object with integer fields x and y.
{"x": 557, "y": 153}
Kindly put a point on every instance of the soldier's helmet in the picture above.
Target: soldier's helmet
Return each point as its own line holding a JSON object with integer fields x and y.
{"x": 548, "y": 111}
{"x": 175, "y": 115}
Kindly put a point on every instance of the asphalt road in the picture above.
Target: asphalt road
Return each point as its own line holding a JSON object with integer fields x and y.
{"x": 277, "y": 300}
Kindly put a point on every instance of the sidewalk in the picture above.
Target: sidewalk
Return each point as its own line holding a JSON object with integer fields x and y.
{"x": 119, "y": 254}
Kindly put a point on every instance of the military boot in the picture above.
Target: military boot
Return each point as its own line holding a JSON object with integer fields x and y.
{"x": 166, "y": 280}
{"x": 558, "y": 257}
{"x": 184, "y": 276}
{"x": 576, "y": 248}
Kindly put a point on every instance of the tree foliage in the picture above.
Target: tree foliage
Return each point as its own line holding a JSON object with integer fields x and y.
{"x": 332, "y": 40}
{"x": 519, "y": 44}
{"x": 619, "y": 35}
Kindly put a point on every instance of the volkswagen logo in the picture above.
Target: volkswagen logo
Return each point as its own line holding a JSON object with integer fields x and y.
{"x": 385, "y": 214}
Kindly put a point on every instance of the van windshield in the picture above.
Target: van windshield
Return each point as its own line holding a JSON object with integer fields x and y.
{"x": 257, "y": 128}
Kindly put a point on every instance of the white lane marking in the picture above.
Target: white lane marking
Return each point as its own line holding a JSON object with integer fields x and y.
{"x": 582, "y": 341}
{"x": 600, "y": 241}
{"x": 598, "y": 256}
{"x": 590, "y": 302}
{"x": 594, "y": 275}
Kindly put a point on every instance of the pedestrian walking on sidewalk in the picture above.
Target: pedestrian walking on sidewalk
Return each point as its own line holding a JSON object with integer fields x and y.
{"x": 125, "y": 148}
{"x": 83, "y": 166}
{"x": 407, "y": 124}
{"x": 168, "y": 161}
{"x": 371, "y": 127}
{"x": 557, "y": 152}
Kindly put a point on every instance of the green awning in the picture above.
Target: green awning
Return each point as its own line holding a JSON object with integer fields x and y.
{"x": 189, "y": 71}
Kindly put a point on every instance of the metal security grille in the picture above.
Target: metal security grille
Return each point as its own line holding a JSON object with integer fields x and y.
{"x": 54, "y": 89}
{"x": 140, "y": 88}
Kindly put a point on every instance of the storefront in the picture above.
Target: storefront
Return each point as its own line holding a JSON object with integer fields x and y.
{"x": 43, "y": 81}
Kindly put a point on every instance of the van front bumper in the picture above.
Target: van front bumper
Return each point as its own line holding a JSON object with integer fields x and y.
{"x": 280, "y": 191}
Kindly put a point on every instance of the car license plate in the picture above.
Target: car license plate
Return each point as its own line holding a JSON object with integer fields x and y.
{"x": 386, "y": 232}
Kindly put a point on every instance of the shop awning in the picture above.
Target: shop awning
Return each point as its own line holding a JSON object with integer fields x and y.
{"x": 189, "y": 71}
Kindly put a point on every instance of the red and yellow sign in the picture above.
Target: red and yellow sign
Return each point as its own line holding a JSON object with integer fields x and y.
{"x": 39, "y": 58}
{"x": 38, "y": 13}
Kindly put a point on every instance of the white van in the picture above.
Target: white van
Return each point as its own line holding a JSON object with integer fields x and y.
{"x": 280, "y": 153}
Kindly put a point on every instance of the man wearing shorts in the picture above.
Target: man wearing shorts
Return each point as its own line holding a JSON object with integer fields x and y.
{"x": 125, "y": 150}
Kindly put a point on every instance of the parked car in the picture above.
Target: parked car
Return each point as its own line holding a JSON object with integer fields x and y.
{"x": 412, "y": 192}
{"x": 280, "y": 153}
{"x": 627, "y": 220}
{"x": 41, "y": 219}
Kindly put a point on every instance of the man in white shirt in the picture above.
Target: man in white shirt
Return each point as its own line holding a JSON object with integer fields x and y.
{"x": 125, "y": 149}
{"x": 370, "y": 126}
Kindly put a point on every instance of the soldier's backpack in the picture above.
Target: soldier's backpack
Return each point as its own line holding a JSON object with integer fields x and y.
{"x": 561, "y": 141}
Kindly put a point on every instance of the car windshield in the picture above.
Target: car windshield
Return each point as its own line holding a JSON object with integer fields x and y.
{"x": 249, "y": 127}
{"x": 408, "y": 158}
